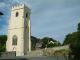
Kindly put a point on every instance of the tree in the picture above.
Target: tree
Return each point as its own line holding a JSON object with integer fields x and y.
{"x": 67, "y": 39}
{"x": 78, "y": 27}
{"x": 3, "y": 39}
{"x": 75, "y": 47}
{"x": 46, "y": 40}
{"x": 70, "y": 38}
{"x": 34, "y": 40}
{"x": 74, "y": 40}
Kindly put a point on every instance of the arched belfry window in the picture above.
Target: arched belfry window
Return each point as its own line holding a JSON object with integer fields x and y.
{"x": 14, "y": 40}
{"x": 17, "y": 14}
{"x": 26, "y": 15}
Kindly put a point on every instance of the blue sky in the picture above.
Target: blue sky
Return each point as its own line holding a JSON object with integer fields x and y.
{"x": 52, "y": 18}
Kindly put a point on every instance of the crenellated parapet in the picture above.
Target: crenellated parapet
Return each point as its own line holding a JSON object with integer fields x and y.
{"x": 20, "y": 6}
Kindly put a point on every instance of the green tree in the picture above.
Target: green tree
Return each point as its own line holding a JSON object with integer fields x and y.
{"x": 3, "y": 39}
{"x": 78, "y": 27}
{"x": 67, "y": 39}
{"x": 70, "y": 38}
{"x": 74, "y": 40}
{"x": 34, "y": 40}
{"x": 46, "y": 40}
{"x": 75, "y": 47}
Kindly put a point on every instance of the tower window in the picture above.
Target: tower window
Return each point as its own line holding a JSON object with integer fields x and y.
{"x": 17, "y": 14}
{"x": 26, "y": 15}
{"x": 14, "y": 40}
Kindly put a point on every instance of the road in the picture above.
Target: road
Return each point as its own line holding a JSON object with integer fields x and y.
{"x": 33, "y": 58}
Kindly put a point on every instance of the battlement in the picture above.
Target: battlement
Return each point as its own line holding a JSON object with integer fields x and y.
{"x": 18, "y": 23}
{"x": 19, "y": 6}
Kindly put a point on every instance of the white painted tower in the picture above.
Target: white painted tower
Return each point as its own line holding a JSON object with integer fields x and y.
{"x": 19, "y": 30}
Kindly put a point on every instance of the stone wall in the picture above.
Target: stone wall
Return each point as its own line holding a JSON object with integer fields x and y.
{"x": 8, "y": 54}
{"x": 61, "y": 50}
{"x": 55, "y": 51}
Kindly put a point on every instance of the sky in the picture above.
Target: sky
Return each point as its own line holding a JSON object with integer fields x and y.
{"x": 49, "y": 18}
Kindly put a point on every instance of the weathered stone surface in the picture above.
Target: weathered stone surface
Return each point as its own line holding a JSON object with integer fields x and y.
{"x": 19, "y": 26}
{"x": 8, "y": 54}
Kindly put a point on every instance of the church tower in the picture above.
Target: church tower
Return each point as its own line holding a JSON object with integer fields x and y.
{"x": 19, "y": 30}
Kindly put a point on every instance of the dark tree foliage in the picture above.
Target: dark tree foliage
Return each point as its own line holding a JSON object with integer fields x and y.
{"x": 67, "y": 39}
{"x": 75, "y": 47}
{"x": 73, "y": 37}
{"x": 3, "y": 39}
{"x": 74, "y": 40}
{"x": 46, "y": 40}
{"x": 34, "y": 40}
{"x": 78, "y": 27}
{"x": 70, "y": 38}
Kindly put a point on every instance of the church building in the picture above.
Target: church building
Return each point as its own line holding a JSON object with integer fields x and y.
{"x": 19, "y": 30}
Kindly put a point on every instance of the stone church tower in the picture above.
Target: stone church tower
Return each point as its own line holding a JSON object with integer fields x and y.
{"x": 19, "y": 30}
